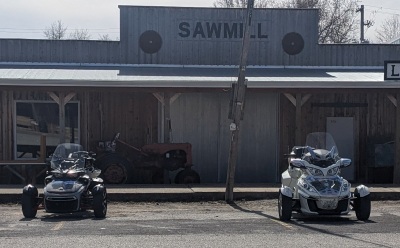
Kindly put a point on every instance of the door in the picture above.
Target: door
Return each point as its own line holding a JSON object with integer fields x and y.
{"x": 342, "y": 131}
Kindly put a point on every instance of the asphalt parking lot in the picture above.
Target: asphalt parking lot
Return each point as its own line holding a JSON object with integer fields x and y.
{"x": 198, "y": 224}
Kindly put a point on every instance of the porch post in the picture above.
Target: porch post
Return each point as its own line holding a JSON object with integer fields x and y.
{"x": 298, "y": 120}
{"x": 396, "y": 169}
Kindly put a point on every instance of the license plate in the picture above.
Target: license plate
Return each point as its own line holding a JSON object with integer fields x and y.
{"x": 328, "y": 204}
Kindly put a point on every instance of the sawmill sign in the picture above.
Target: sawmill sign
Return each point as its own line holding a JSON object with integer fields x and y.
{"x": 392, "y": 70}
{"x": 219, "y": 30}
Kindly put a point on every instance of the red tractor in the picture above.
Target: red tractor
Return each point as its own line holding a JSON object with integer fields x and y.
{"x": 119, "y": 161}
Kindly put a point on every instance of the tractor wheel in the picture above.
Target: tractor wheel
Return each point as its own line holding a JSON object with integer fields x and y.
{"x": 29, "y": 201}
{"x": 115, "y": 169}
{"x": 284, "y": 207}
{"x": 362, "y": 206}
{"x": 99, "y": 201}
{"x": 187, "y": 176}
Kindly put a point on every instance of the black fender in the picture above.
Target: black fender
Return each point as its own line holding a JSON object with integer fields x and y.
{"x": 98, "y": 180}
{"x": 98, "y": 189}
{"x": 30, "y": 190}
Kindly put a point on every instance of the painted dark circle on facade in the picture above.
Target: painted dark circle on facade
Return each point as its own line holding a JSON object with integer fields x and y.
{"x": 293, "y": 43}
{"x": 150, "y": 41}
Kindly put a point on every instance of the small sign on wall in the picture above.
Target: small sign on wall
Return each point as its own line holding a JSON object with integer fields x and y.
{"x": 392, "y": 70}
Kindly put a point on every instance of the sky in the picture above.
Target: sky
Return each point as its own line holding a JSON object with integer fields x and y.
{"x": 28, "y": 18}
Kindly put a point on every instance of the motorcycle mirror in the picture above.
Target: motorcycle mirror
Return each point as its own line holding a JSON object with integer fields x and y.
{"x": 312, "y": 153}
{"x": 333, "y": 152}
{"x": 345, "y": 162}
{"x": 297, "y": 163}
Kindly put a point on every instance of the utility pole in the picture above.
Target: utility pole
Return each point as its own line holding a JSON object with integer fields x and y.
{"x": 236, "y": 105}
{"x": 362, "y": 24}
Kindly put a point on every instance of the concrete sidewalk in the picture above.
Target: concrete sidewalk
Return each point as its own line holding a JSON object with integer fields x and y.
{"x": 201, "y": 192}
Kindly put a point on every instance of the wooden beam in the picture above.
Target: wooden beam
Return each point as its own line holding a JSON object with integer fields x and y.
{"x": 305, "y": 99}
{"x": 174, "y": 97}
{"x": 69, "y": 97}
{"x": 290, "y": 98}
{"x": 5, "y": 129}
{"x": 160, "y": 97}
{"x": 10, "y": 117}
{"x": 167, "y": 127}
{"x": 167, "y": 118}
{"x": 61, "y": 114}
{"x": 54, "y": 97}
{"x": 293, "y": 100}
{"x": 61, "y": 99}
{"x": 392, "y": 99}
{"x": 396, "y": 169}
{"x": 298, "y": 120}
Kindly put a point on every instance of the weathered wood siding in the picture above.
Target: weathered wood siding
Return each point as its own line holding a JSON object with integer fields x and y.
{"x": 202, "y": 120}
{"x": 374, "y": 123}
{"x": 133, "y": 114}
{"x": 102, "y": 114}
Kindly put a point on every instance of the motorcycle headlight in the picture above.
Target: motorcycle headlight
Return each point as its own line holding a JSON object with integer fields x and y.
{"x": 47, "y": 180}
{"x": 315, "y": 172}
{"x": 72, "y": 174}
{"x": 307, "y": 186}
{"x": 83, "y": 180}
{"x": 57, "y": 174}
{"x": 345, "y": 187}
{"x": 333, "y": 171}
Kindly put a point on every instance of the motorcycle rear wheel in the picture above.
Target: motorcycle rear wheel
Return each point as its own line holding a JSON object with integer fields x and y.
{"x": 362, "y": 206}
{"x": 29, "y": 201}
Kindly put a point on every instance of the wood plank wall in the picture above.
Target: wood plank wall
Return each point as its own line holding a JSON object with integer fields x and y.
{"x": 133, "y": 114}
{"x": 374, "y": 123}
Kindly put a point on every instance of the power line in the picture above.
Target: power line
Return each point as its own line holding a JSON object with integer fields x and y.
{"x": 38, "y": 32}
{"x": 380, "y": 10}
{"x": 381, "y": 7}
{"x": 89, "y": 29}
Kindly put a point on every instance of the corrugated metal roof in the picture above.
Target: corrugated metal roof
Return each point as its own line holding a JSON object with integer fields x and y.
{"x": 190, "y": 77}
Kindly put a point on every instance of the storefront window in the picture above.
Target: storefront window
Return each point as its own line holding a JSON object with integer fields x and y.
{"x": 34, "y": 119}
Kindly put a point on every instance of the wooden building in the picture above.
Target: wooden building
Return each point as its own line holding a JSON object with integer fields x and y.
{"x": 189, "y": 57}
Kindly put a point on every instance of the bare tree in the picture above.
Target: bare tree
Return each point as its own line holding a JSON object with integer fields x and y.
{"x": 303, "y": 3}
{"x": 337, "y": 17}
{"x": 80, "y": 34}
{"x": 104, "y": 37}
{"x": 243, "y": 3}
{"x": 56, "y": 31}
{"x": 389, "y": 30}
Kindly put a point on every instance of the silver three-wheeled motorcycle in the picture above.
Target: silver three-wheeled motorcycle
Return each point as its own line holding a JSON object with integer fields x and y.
{"x": 312, "y": 184}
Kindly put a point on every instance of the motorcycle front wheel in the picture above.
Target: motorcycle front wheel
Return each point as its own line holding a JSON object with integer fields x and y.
{"x": 284, "y": 207}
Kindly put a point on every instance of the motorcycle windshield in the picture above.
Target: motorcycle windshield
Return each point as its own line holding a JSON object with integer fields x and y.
{"x": 65, "y": 156}
{"x": 321, "y": 149}
{"x": 322, "y": 141}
